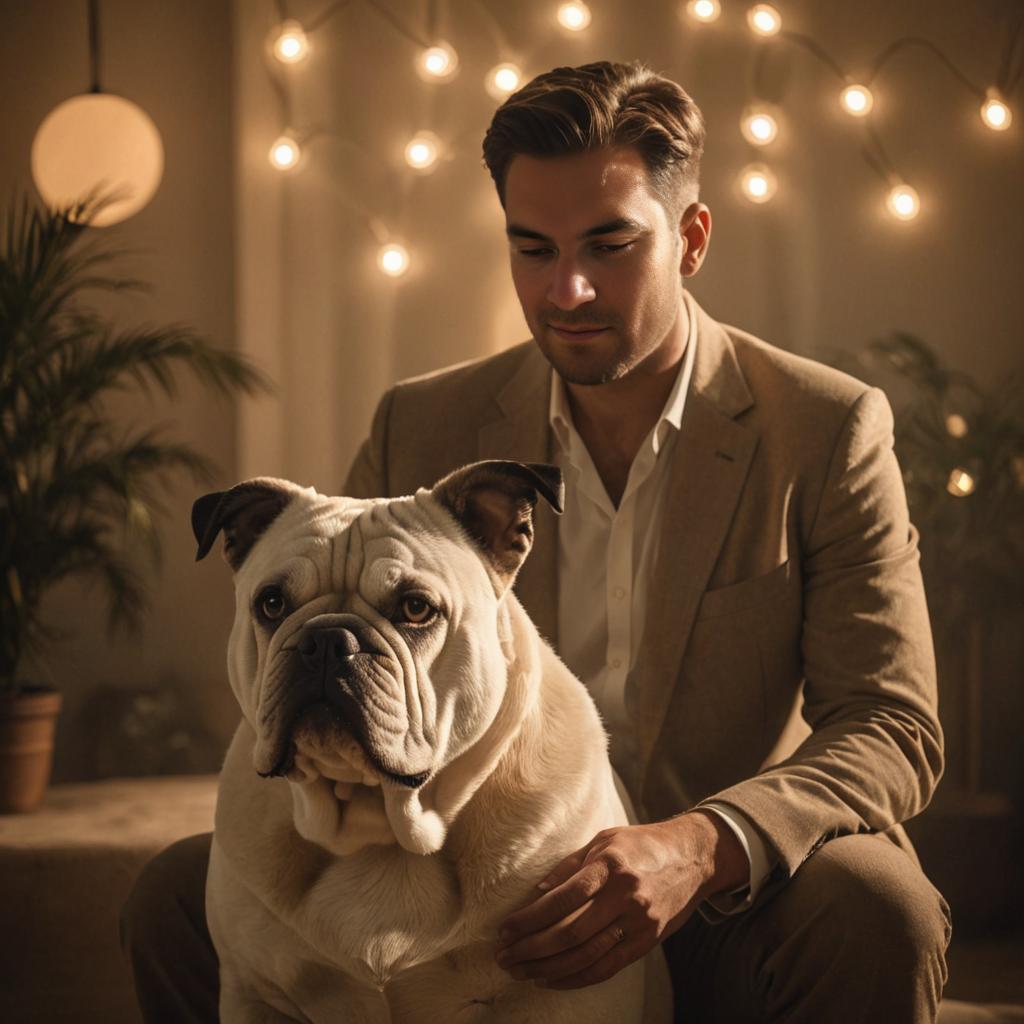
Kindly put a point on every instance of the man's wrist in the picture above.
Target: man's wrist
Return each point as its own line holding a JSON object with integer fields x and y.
{"x": 725, "y": 866}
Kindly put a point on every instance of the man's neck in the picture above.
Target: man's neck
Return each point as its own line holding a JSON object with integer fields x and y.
{"x": 613, "y": 419}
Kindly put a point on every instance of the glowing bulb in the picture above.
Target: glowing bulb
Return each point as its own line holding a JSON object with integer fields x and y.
{"x": 704, "y": 10}
{"x": 995, "y": 113}
{"x": 956, "y": 425}
{"x": 759, "y": 126}
{"x": 393, "y": 259}
{"x": 290, "y": 44}
{"x": 856, "y": 100}
{"x": 575, "y": 16}
{"x": 439, "y": 62}
{"x": 758, "y": 183}
{"x": 903, "y": 202}
{"x": 764, "y": 19}
{"x": 960, "y": 483}
{"x": 422, "y": 151}
{"x": 285, "y": 153}
{"x": 503, "y": 80}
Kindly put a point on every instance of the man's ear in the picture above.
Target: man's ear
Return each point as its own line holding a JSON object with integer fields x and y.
{"x": 695, "y": 229}
{"x": 494, "y": 503}
{"x": 243, "y": 513}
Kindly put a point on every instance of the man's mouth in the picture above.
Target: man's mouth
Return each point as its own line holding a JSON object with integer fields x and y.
{"x": 577, "y": 332}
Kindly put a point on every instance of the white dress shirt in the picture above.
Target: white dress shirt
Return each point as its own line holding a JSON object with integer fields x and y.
{"x": 605, "y": 559}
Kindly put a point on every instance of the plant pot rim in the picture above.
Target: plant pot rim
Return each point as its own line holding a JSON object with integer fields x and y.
{"x": 30, "y": 699}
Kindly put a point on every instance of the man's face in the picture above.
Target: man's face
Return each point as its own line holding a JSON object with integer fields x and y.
{"x": 596, "y": 263}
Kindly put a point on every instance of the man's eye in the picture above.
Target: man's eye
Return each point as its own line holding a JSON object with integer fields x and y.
{"x": 534, "y": 253}
{"x": 271, "y": 604}
{"x": 613, "y": 246}
{"x": 416, "y": 610}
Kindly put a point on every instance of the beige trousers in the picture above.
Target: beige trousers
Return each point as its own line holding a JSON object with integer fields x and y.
{"x": 857, "y": 935}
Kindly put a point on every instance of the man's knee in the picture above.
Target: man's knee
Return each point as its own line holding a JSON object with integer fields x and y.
{"x": 877, "y": 895}
{"x": 861, "y": 904}
{"x": 168, "y": 895}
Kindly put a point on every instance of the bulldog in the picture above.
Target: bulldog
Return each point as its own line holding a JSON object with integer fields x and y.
{"x": 412, "y": 759}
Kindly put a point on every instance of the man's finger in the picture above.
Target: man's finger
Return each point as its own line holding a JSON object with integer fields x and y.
{"x": 573, "y": 959}
{"x": 564, "y": 869}
{"x": 577, "y": 931}
{"x": 553, "y": 906}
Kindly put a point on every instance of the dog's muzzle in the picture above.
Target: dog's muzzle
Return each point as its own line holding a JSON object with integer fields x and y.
{"x": 327, "y": 652}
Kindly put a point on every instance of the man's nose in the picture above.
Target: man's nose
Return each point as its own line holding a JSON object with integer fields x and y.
{"x": 570, "y": 287}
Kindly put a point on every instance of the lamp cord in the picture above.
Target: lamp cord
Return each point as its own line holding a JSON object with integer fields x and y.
{"x": 94, "y": 44}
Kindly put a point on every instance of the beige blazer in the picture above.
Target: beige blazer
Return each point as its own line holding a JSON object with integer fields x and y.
{"x": 786, "y": 667}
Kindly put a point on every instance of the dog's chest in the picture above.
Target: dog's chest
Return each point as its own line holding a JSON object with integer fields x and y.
{"x": 385, "y": 910}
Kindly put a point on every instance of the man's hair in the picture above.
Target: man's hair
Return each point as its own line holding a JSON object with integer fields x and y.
{"x": 599, "y": 106}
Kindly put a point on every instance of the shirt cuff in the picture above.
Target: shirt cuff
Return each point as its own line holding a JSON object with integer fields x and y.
{"x": 741, "y": 899}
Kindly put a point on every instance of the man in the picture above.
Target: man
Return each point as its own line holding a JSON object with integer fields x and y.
{"x": 735, "y": 579}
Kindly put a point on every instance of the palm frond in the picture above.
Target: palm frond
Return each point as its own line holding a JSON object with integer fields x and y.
{"x": 78, "y": 496}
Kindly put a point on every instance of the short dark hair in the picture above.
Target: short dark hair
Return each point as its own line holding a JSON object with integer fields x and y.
{"x": 598, "y": 106}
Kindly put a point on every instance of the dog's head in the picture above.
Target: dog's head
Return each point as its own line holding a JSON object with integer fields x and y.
{"x": 367, "y": 647}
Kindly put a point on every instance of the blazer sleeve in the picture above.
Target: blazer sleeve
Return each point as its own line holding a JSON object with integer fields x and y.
{"x": 874, "y": 755}
{"x": 368, "y": 475}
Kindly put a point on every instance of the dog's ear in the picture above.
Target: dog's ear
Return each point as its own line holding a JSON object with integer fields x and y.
{"x": 243, "y": 513}
{"x": 494, "y": 502}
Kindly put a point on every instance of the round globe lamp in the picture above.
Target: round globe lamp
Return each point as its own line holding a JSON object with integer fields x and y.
{"x": 98, "y": 143}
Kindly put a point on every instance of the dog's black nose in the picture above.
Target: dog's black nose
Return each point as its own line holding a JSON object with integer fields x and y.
{"x": 328, "y": 649}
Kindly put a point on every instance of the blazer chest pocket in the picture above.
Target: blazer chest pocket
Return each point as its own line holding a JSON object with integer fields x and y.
{"x": 764, "y": 604}
{"x": 739, "y": 597}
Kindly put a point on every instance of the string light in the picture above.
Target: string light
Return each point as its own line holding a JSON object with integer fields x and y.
{"x": 995, "y": 113}
{"x": 285, "y": 153}
{"x": 422, "y": 151}
{"x": 759, "y": 125}
{"x": 574, "y": 16}
{"x": 960, "y": 483}
{"x": 503, "y": 80}
{"x": 857, "y": 100}
{"x": 758, "y": 183}
{"x": 764, "y": 19}
{"x": 704, "y": 10}
{"x": 290, "y": 45}
{"x": 393, "y": 259}
{"x": 903, "y": 202}
{"x": 438, "y": 62}
{"x": 956, "y": 425}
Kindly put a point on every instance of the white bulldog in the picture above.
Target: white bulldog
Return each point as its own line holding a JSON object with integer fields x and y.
{"x": 413, "y": 758}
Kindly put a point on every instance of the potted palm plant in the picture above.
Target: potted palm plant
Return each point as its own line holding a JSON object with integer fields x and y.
{"x": 79, "y": 492}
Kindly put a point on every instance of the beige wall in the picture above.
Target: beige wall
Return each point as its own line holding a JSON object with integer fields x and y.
{"x": 290, "y": 278}
{"x": 174, "y": 60}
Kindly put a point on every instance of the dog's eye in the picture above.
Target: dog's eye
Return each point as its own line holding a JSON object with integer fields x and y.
{"x": 416, "y": 609}
{"x": 271, "y": 603}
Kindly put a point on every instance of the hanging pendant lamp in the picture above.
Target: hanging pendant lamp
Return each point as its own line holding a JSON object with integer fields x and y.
{"x": 98, "y": 143}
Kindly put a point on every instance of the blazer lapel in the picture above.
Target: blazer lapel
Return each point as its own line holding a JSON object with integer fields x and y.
{"x": 523, "y": 434}
{"x": 710, "y": 462}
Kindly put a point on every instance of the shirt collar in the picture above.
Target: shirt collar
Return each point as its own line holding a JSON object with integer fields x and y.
{"x": 560, "y": 415}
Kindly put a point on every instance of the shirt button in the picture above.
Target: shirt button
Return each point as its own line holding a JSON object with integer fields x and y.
{"x": 619, "y": 592}
{"x": 616, "y": 663}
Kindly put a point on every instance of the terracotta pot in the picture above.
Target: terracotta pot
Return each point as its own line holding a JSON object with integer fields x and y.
{"x": 28, "y": 718}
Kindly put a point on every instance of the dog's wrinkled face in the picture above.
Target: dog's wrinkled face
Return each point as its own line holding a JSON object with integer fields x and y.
{"x": 366, "y": 621}
{"x": 366, "y": 648}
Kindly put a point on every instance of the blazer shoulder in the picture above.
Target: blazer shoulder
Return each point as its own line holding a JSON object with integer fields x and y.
{"x": 774, "y": 373}
{"x": 474, "y": 384}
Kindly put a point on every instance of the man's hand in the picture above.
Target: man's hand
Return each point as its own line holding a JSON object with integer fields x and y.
{"x": 612, "y": 901}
